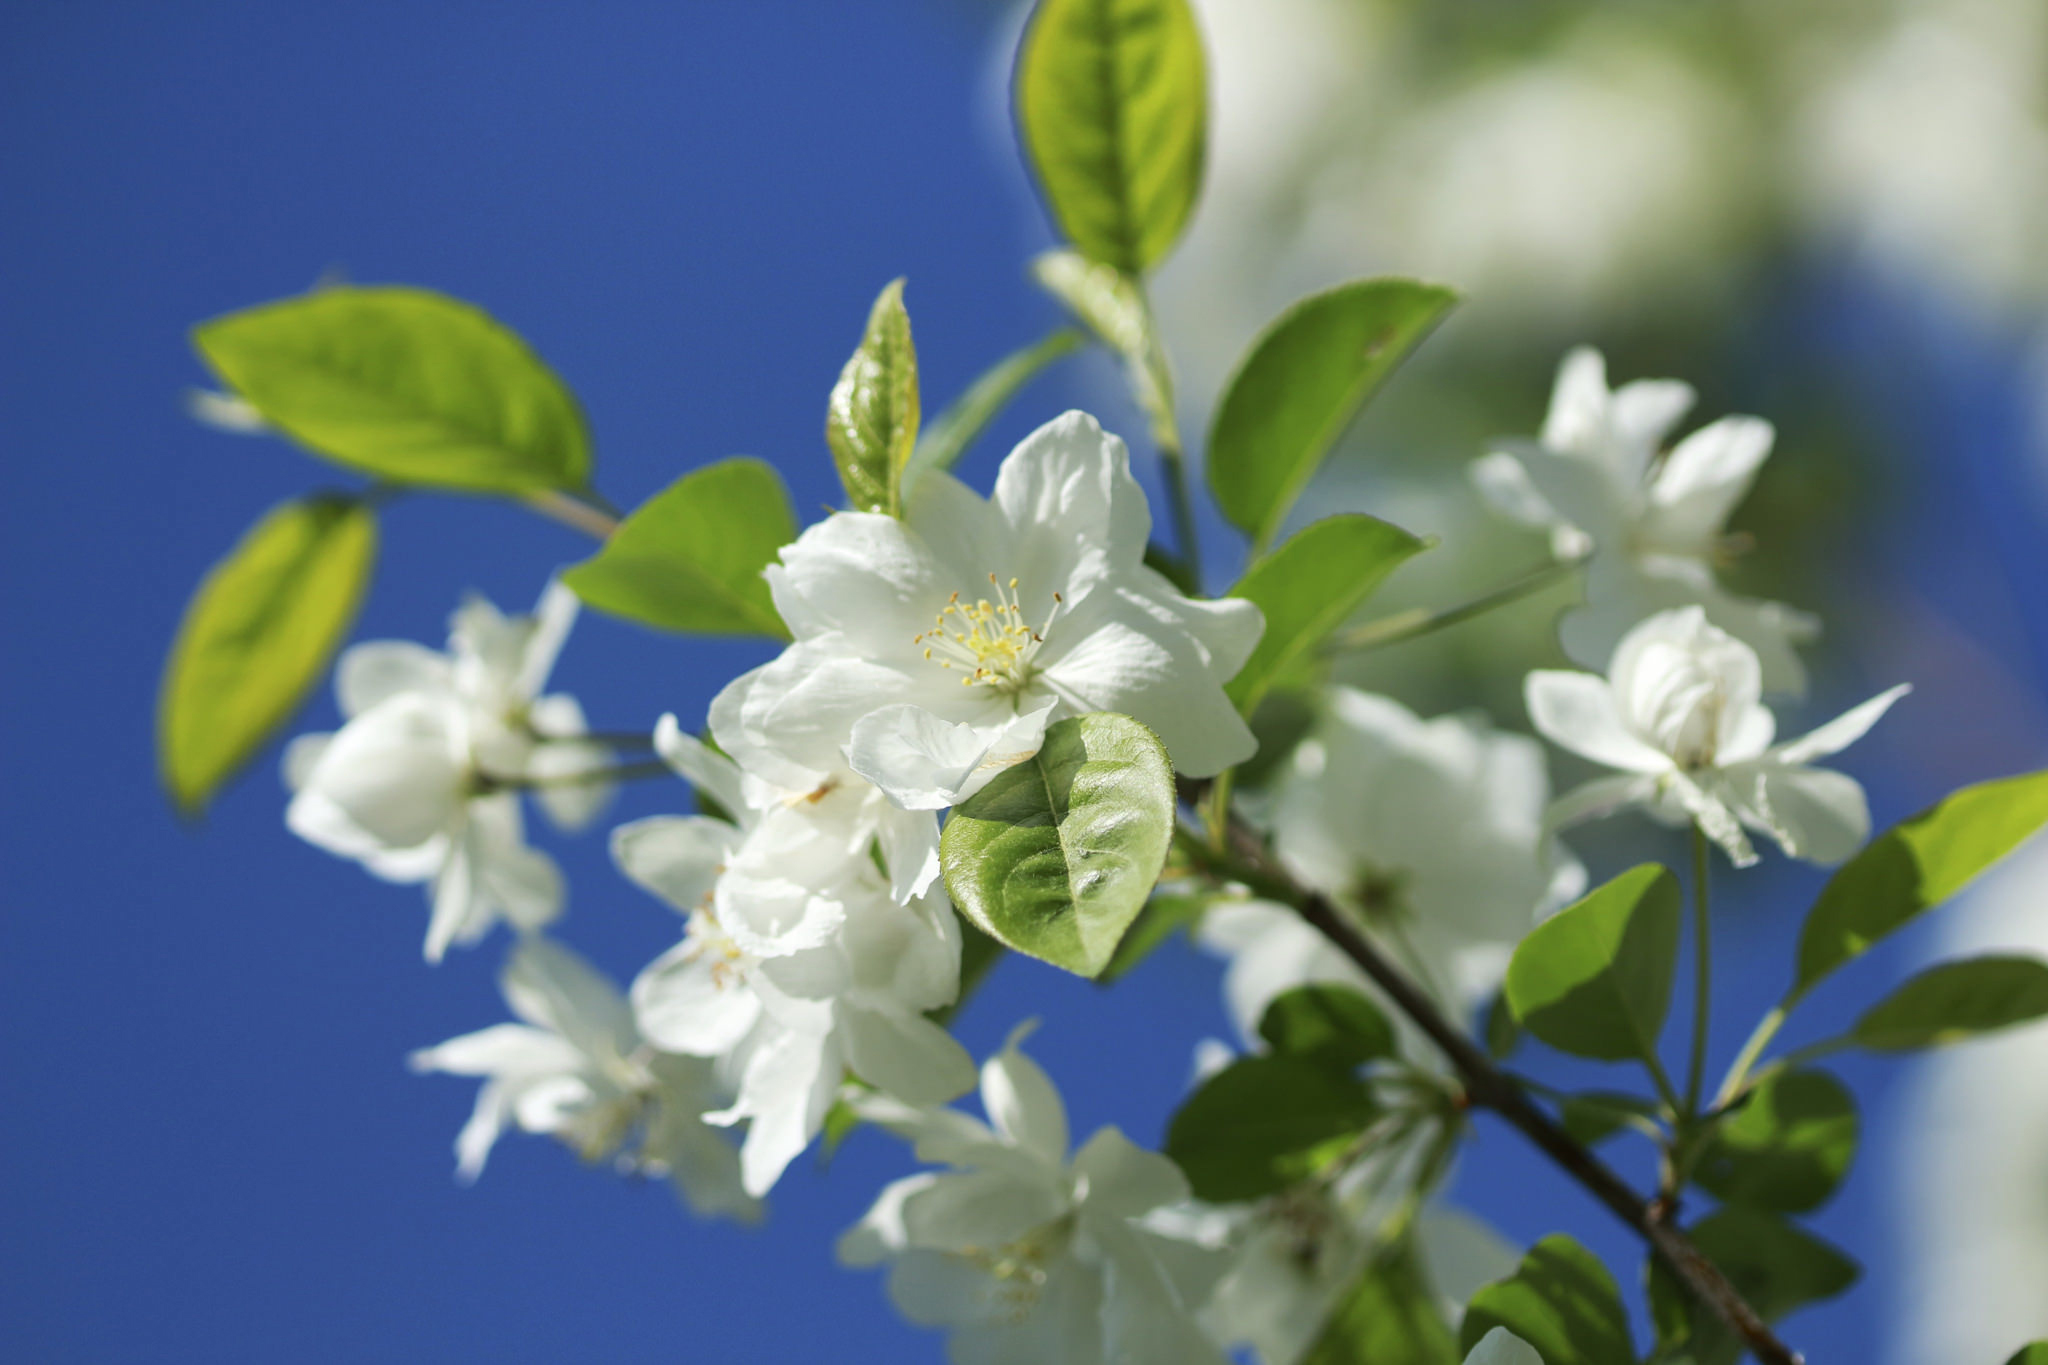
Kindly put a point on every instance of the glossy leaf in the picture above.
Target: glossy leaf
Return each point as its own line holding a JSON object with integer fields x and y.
{"x": 1787, "y": 1149}
{"x": 1113, "y": 308}
{"x": 1915, "y": 866}
{"x": 1561, "y": 1301}
{"x": 1309, "y": 587}
{"x": 1300, "y": 386}
{"x": 1264, "y": 1123}
{"x": 1335, "y": 1026}
{"x": 257, "y": 635}
{"x": 871, "y": 418}
{"x": 405, "y": 385}
{"x": 1057, "y": 855}
{"x": 1954, "y": 1001}
{"x": 1594, "y": 980}
{"x": 690, "y": 557}
{"x": 1773, "y": 1265}
{"x": 1389, "y": 1317}
{"x": 946, "y": 437}
{"x": 1112, "y": 108}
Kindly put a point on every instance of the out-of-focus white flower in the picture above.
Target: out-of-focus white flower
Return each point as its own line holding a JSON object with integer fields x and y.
{"x": 1679, "y": 714}
{"x": 1502, "y": 1347}
{"x": 932, "y": 652}
{"x": 1024, "y": 1255}
{"x": 409, "y": 786}
{"x": 1651, "y": 522}
{"x": 576, "y": 1069}
{"x": 798, "y": 962}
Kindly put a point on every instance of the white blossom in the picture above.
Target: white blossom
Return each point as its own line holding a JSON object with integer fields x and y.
{"x": 1679, "y": 714}
{"x": 1651, "y": 522}
{"x": 410, "y": 785}
{"x": 1026, "y": 1254}
{"x": 798, "y": 963}
{"x": 931, "y": 652}
{"x": 576, "y": 1069}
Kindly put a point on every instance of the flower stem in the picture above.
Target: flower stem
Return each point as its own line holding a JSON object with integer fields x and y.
{"x": 618, "y": 772}
{"x": 577, "y": 513}
{"x": 1759, "y": 1039}
{"x": 1418, "y": 621}
{"x": 1702, "y": 976}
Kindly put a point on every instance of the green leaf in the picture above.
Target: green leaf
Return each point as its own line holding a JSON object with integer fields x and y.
{"x": 1264, "y": 1123}
{"x": 1503, "y": 1030}
{"x": 1299, "y": 387}
{"x": 256, "y": 637}
{"x": 1561, "y": 1301}
{"x": 1915, "y": 866}
{"x": 1594, "y": 980}
{"x": 1593, "y": 1116}
{"x": 1057, "y": 855}
{"x": 1773, "y": 1265}
{"x": 405, "y": 385}
{"x": 1956, "y": 1000}
{"x": 1114, "y": 309}
{"x": 871, "y": 418}
{"x": 690, "y": 557}
{"x": 2036, "y": 1354}
{"x": 949, "y": 434}
{"x": 1787, "y": 1148}
{"x": 1163, "y": 916}
{"x": 1309, "y": 587}
{"x": 1112, "y": 107}
{"x": 1389, "y": 1317}
{"x": 1334, "y": 1026}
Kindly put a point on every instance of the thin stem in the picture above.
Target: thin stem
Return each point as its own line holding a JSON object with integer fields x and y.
{"x": 1487, "y": 1087}
{"x": 618, "y": 739}
{"x": 618, "y": 772}
{"x": 1216, "y": 811}
{"x": 1759, "y": 1039}
{"x": 1702, "y": 975}
{"x": 1407, "y": 625}
{"x": 576, "y": 513}
{"x": 1174, "y": 467}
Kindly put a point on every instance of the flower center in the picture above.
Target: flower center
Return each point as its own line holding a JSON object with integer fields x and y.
{"x": 1020, "y": 1269}
{"x": 988, "y": 642}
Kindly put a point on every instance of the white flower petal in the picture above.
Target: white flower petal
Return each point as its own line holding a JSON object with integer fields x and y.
{"x": 677, "y": 857}
{"x": 501, "y": 1049}
{"x": 703, "y": 767}
{"x": 547, "y": 985}
{"x": 1839, "y": 733}
{"x": 1125, "y": 1180}
{"x": 1580, "y": 712}
{"x": 1021, "y": 1100}
{"x": 1074, "y": 512}
{"x": 880, "y": 1233}
{"x": 378, "y": 670}
{"x": 1599, "y": 797}
{"x": 1814, "y": 813}
{"x": 977, "y": 1210}
{"x": 863, "y": 576}
{"x": 790, "y": 1083}
{"x": 1702, "y": 480}
{"x": 694, "y": 999}
{"x": 566, "y": 790}
{"x": 1505, "y": 486}
{"x": 397, "y": 771}
{"x": 547, "y": 630}
{"x": 904, "y": 1054}
{"x": 922, "y": 762}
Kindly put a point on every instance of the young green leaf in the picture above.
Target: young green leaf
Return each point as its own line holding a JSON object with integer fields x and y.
{"x": 946, "y": 437}
{"x": 1057, "y": 855}
{"x": 1953, "y": 1001}
{"x": 1561, "y": 1301}
{"x": 1332, "y": 1025}
{"x": 256, "y": 637}
{"x": 1309, "y": 587}
{"x": 1594, "y": 980}
{"x": 1112, "y": 107}
{"x": 1915, "y": 866}
{"x": 405, "y": 385}
{"x": 1112, "y": 306}
{"x": 690, "y": 557}
{"x": 1389, "y": 1317}
{"x": 1775, "y": 1266}
{"x": 1299, "y": 387}
{"x": 871, "y": 418}
{"x": 1787, "y": 1149}
{"x": 1264, "y": 1123}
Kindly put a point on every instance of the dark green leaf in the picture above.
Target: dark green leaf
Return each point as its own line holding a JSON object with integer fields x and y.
{"x": 1113, "y": 308}
{"x": 1390, "y": 1317}
{"x": 1112, "y": 106}
{"x": 1503, "y": 1030}
{"x": 2036, "y": 1354}
{"x": 256, "y": 637}
{"x": 1594, "y": 980}
{"x": 690, "y": 557}
{"x": 1335, "y": 1026}
{"x": 949, "y": 434}
{"x": 1163, "y": 916}
{"x": 1773, "y": 1265}
{"x": 1309, "y": 587}
{"x": 1264, "y": 1123}
{"x": 1299, "y": 387}
{"x": 1915, "y": 866}
{"x": 1788, "y": 1147}
{"x": 1954, "y": 1001}
{"x": 1057, "y": 855}
{"x": 1596, "y": 1115}
{"x": 405, "y": 385}
{"x": 871, "y": 419}
{"x": 1561, "y": 1301}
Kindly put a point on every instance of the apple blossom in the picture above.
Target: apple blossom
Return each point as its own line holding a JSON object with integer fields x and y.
{"x": 932, "y": 652}
{"x": 1651, "y": 523}
{"x": 576, "y": 1069}
{"x": 1679, "y": 713}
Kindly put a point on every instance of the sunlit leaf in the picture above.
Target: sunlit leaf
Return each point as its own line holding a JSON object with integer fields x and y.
{"x": 1954, "y": 1001}
{"x": 871, "y": 418}
{"x": 1561, "y": 1301}
{"x": 1594, "y": 979}
{"x": 1264, "y": 1123}
{"x": 1787, "y": 1149}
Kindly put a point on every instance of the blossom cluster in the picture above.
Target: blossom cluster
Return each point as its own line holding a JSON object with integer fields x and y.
{"x": 818, "y": 950}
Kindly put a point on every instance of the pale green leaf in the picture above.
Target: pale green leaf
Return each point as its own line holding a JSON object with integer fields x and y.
{"x": 1057, "y": 855}
{"x": 256, "y": 637}
{"x": 1264, "y": 1123}
{"x": 871, "y": 418}
{"x": 405, "y": 385}
{"x": 1787, "y": 1149}
{"x": 1594, "y": 979}
{"x": 690, "y": 557}
{"x": 1332, "y": 1025}
{"x": 1112, "y": 107}
{"x": 1299, "y": 387}
{"x": 1110, "y": 304}
{"x": 1915, "y": 866}
{"x": 1954, "y": 1001}
{"x": 946, "y": 437}
{"x": 1561, "y": 1301}
{"x": 1309, "y": 587}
